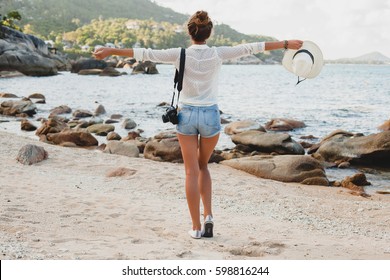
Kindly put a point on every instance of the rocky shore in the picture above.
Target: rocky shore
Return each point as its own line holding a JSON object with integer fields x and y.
{"x": 265, "y": 151}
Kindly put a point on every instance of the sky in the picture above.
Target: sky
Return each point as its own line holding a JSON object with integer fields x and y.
{"x": 341, "y": 28}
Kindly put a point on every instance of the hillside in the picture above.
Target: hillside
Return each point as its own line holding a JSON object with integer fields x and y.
{"x": 46, "y": 16}
{"x": 96, "y": 22}
{"x": 370, "y": 58}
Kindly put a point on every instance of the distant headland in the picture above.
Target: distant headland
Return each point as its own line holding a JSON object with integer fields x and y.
{"x": 370, "y": 58}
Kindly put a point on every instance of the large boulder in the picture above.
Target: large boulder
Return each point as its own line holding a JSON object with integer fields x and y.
{"x": 27, "y": 54}
{"x": 70, "y": 138}
{"x": 90, "y": 63}
{"x": 60, "y": 110}
{"x": 285, "y": 168}
{"x": 144, "y": 67}
{"x": 339, "y": 147}
{"x": 122, "y": 148}
{"x": 281, "y": 124}
{"x": 14, "y": 108}
{"x": 385, "y": 126}
{"x": 52, "y": 125}
{"x": 164, "y": 147}
{"x": 241, "y": 126}
{"x": 280, "y": 143}
{"x": 30, "y": 154}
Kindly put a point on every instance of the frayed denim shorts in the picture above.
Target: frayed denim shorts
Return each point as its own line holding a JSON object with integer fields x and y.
{"x": 199, "y": 120}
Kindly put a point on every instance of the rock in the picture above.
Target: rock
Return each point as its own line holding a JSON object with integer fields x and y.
{"x": 60, "y": 110}
{"x": 283, "y": 124}
{"x": 286, "y": 168}
{"x": 128, "y": 124}
{"x": 26, "y": 54}
{"x": 110, "y": 72}
{"x": 110, "y": 121}
{"x": 40, "y": 98}
{"x": 113, "y": 136}
{"x": 14, "y": 108}
{"x": 101, "y": 129}
{"x": 344, "y": 165}
{"x": 83, "y": 64}
{"x": 100, "y": 110}
{"x": 368, "y": 150}
{"x": 7, "y": 95}
{"x": 241, "y": 126}
{"x": 132, "y": 135}
{"x": 78, "y": 138}
{"x": 144, "y": 67}
{"x": 30, "y": 154}
{"x": 116, "y": 116}
{"x": 356, "y": 183}
{"x": 95, "y": 120}
{"x": 163, "y": 149}
{"x": 385, "y": 126}
{"x": 86, "y": 72}
{"x": 82, "y": 114}
{"x": 52, "y": 125}
{"x": 36, "y": 96}
{"x": 122, "y": 148}
{"x": 268, "y": 142}
{"x": 27, "y": 126}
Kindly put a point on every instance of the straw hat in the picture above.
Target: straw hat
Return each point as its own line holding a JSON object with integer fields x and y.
{"x": 306, "y": 62}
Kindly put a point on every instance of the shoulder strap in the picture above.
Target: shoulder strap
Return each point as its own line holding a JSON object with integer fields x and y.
{"x": 181, "y": 69}
{"x": 179, "y": 76}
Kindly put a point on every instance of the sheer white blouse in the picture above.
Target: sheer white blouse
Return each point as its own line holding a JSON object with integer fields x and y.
{"x": 202, "y": 67}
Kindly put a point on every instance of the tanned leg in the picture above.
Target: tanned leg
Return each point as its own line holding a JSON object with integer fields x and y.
{"x": 206, "y": 148}
{"x": 189, "y": 150}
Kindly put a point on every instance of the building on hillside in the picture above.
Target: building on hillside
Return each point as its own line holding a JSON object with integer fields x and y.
{"x": 132, "y": 24}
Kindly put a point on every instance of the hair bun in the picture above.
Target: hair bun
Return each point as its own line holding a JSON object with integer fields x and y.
{"x": 201, "y": 18}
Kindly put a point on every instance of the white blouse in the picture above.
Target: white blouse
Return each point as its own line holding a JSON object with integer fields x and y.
{"x": 200, "y": 82}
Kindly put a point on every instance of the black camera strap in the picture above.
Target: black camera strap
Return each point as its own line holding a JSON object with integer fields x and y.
{"x": 178, "y": 81}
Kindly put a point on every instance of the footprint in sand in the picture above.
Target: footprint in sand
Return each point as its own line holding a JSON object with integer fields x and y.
{"x": 120, "y": 172}
{"x": 258, "y": 249}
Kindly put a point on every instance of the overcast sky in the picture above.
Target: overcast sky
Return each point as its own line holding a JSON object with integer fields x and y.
{"x": 342, "y": 28}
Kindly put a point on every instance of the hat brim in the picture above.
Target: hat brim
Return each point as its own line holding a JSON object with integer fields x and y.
{"x": 287, "y": 61}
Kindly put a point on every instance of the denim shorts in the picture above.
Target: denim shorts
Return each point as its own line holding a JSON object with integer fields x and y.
{"x": 199, "y": 120}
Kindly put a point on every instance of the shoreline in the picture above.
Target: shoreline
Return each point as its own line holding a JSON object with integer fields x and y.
{"x": 67, "y": 207}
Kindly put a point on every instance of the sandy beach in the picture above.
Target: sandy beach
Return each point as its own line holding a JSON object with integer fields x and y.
{"x": 70, "y": 206}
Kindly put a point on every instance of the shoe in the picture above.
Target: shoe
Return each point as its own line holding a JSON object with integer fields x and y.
{"x": 208, "y": 226}
{"x": 196, "y": 234}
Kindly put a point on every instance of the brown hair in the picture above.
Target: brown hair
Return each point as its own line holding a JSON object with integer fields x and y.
{"x": 200, "y": 26}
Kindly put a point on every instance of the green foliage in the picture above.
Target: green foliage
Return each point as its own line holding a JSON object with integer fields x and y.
{"x": 96, "y": 22}
{"x": 9, "y": 20}
{"x": 145, "y": 33}
{"x": 46, "y": 16}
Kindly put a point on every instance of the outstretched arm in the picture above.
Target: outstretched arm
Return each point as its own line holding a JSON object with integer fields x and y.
{"x": 102, "y": 53}
{"x": 286, "y": 44}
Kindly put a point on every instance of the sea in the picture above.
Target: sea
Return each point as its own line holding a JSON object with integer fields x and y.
{"x": 354, "y": 98}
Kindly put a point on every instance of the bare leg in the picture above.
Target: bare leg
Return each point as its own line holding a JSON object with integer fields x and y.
{"x": 206, "y": 148}
{"x": 189, "y": 150}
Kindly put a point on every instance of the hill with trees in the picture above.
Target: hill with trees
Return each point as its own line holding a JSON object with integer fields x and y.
{"x": 124, "y": 23}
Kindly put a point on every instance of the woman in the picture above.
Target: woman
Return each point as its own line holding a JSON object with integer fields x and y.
{"x": 199, "y": 121}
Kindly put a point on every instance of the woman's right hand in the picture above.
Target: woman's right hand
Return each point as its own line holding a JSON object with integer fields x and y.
{"x": 102, "y": 53}
{"x": 294, "y": 44}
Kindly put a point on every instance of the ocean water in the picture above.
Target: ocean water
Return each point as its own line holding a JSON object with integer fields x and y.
{"x": 354, "y": 98}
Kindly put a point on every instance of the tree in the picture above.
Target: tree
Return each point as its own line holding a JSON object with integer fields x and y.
{"x": 9, "y": 20}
